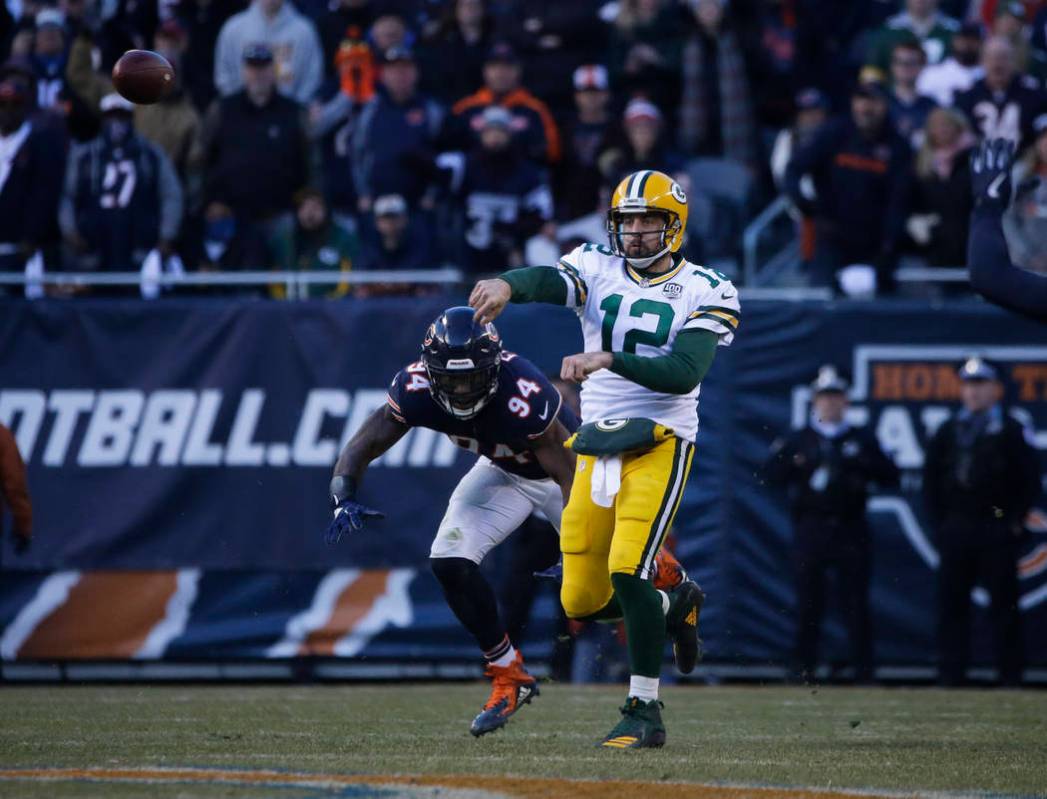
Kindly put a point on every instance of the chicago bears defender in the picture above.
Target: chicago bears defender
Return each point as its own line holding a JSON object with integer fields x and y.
{"x": 652, "y": 323}
{"x": 496, "y": 404}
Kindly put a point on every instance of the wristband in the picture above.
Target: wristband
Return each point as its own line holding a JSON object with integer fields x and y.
{"x": 343, "y": 487}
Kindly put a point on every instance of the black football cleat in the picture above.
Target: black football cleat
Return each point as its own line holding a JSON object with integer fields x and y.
{"x": 640, "y": 728}
{"x": 681, "y": 624}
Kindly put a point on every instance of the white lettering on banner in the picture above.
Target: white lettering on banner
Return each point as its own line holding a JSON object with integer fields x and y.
{"x": 67, "y": 406}
{"x": 933, "y": 417}
{"x": 28, "y": 407}
{"x": 177, "y": 427}
{"x": 901, "y": 388}
{"x": 309, "y": 449}
{"x": 199, "y": 451}
{"x": 897, "y": 436}
{"x": 242, "y": 450}
{"x": 165, "y": 424}
{"x": 110, "y": 432}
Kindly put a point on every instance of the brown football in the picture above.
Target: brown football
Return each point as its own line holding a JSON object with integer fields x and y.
{"x": 143, "y": 76}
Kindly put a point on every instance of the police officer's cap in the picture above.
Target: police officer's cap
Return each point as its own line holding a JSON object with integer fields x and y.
{"x": 829, "y": 380}
{"x": 975, "y": 368}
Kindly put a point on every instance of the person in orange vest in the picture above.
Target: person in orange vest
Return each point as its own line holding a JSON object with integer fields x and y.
{"x": 532, "y": 121}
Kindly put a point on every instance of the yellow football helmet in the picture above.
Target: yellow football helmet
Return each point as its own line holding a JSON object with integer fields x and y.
{"x": 648, "y": 191}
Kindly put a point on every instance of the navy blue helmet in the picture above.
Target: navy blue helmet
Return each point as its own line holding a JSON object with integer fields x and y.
{"x": 462, "y": 358}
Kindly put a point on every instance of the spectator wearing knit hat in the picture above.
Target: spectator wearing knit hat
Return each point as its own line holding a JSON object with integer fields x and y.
{"x": 532, "y": 123}
{"x": 644, "y": 145}
{"x": 504, "y": 196}
{"x": 587, "y": 132}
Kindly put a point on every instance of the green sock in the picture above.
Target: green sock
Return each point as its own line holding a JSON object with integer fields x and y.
{"x": 612, "y": 611}
{"x": 644, "y": 623}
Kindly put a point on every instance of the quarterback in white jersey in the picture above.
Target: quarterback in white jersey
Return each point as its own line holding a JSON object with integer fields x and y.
{"x": 624, "y": 311}
{"x": 652, "y": 324}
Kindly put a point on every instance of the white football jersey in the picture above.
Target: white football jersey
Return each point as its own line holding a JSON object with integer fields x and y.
{"x": 622, "y": 311}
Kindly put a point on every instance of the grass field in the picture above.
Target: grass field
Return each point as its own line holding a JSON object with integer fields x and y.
{"x": 349, "y": 740}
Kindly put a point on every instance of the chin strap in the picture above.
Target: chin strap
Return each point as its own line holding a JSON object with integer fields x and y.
{"x": 643, "y": 263}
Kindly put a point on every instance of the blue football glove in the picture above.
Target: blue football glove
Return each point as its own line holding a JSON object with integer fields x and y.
{"x": 991, "y": 164}
{"x": 348, "y": 516}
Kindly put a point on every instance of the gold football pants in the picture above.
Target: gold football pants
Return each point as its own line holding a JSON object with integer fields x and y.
{"x": 597, "y": 542}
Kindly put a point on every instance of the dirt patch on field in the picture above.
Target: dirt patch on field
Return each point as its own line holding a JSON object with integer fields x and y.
{"x": 463, "y": 786}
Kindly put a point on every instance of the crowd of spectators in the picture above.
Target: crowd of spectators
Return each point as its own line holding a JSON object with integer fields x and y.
{"x": 408, "y": 134}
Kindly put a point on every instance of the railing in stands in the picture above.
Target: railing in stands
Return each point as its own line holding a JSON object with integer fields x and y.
{"x": 294, "y": 282}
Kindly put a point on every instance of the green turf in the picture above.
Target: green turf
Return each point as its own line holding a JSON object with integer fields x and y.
{"x": 862, "y": 738}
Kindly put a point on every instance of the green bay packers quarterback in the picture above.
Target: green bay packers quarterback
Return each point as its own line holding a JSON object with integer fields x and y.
{"x": 652, "y": 322}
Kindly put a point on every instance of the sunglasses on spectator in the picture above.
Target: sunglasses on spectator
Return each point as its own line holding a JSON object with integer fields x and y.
{"x": 907, "y": 62}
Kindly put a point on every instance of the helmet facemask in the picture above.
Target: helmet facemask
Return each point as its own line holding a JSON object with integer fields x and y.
{"x": 460, "y": 388}
{"x": 619, "y": 240}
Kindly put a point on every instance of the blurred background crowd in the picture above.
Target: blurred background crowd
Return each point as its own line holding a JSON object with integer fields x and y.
{"x": 485, "y": 134}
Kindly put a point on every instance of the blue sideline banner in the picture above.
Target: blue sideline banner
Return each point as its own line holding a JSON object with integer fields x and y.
{"x": 179, "y": 455}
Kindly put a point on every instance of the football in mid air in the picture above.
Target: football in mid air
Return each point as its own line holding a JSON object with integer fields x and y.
{"x": 142, "y": 76}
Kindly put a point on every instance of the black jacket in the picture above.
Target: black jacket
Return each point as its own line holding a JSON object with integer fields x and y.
{"x": 949, "y": 198}
{"x": 828, "y": 478}
{"x": 30, "y": 192}
{"x": 255, "y": 157}
{"x": 862, "y": 186}
{"x": 989, "y": 481}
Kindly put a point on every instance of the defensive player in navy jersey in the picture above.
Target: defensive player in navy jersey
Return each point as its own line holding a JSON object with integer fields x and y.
{"x": 500, "y": 406}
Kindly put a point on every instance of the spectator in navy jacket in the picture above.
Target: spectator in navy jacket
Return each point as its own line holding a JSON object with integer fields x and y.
{"x": 395, "y": 129}
{"x": 1004, "y": 103}
{"x": 395, "y": 240}
{"x": 504, "y": 195}
{"x": 861, "y": 173}
{"x": 122, "y": 197}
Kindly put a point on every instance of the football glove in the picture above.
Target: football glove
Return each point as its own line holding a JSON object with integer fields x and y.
{"x": 991, "y": 165}
{"x": 348, "y": 516}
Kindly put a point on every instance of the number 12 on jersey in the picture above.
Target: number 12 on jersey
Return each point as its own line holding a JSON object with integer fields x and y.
{"x": 612, "y": 306}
